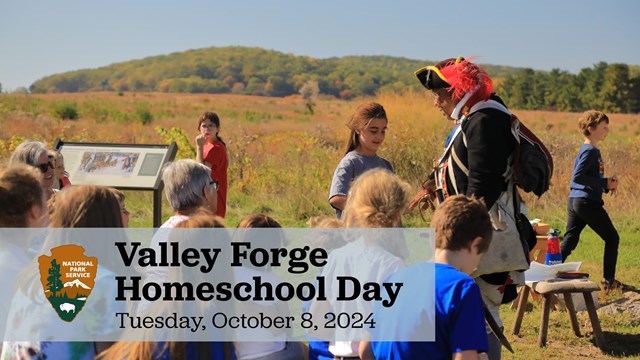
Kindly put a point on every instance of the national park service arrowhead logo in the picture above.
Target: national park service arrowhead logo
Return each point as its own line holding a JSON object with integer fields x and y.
{"x": 67, "y": 278}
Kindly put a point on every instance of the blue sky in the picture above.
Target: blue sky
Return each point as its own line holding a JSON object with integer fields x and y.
{"x": 43, "y": 37}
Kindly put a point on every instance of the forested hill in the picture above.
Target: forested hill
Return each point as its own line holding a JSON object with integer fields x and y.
{"x": 250, "y": 71}
{"x": 255, "y": 71}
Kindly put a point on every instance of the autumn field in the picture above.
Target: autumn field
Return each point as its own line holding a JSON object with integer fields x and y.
{"x": 282, "y": 157}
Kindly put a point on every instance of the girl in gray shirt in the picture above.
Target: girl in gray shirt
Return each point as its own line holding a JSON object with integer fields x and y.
{"x": 368, "y": 127}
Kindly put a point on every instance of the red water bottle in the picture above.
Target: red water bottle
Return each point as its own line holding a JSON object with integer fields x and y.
{"x": 554, "y": 255}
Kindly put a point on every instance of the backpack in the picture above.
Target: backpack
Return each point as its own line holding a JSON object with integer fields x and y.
{"x": 532, "y": 162}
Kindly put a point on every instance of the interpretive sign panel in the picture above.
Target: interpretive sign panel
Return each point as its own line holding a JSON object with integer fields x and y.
{"x": 124, "y": 166}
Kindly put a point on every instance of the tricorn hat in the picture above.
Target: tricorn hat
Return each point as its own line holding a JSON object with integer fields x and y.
{"x": 458, "y": 75}
{"x": 431, "y": 77}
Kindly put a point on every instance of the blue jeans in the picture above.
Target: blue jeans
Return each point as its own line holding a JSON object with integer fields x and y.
{"x": 583, "y": 212}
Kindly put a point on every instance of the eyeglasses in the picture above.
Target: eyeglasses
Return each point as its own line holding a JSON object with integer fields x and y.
{"x": 214, "y": 184}
{"x": 44, "y": 167}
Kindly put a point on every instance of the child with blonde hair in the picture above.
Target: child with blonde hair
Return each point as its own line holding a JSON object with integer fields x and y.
{"x": 377, "y": 200}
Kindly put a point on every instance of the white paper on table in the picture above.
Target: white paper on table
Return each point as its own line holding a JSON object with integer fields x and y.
{"x": 541, "y": 272}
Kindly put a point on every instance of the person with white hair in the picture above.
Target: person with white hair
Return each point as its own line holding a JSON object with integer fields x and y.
{"x": 188, "y": 188}
{"x": 35, "y": 153}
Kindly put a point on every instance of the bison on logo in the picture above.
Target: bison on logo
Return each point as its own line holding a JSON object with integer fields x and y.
{"x": 67, "y": 278}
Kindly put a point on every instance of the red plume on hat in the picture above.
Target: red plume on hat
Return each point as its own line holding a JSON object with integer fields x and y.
{"x": 465, "y": 76}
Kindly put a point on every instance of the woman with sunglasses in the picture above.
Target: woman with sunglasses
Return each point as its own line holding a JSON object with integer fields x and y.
{"x": 35, "y": 153}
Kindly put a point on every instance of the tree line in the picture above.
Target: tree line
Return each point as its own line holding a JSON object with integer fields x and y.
{"x": 608, "y": 87}
{"x": 246, "y": 71}
{"x": 255, "y": 71}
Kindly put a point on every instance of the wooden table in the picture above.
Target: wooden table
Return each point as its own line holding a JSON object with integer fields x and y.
{"x": 537, "y": 254}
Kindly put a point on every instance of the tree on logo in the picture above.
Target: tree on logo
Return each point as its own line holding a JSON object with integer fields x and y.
{"x": 54, "y": 284}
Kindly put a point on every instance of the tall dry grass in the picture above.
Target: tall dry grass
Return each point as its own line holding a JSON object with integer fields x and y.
{"x": 282, "y": 158}
{"x": 417, "y": 133}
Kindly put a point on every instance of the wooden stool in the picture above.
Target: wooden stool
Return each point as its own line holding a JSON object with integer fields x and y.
{"x": 566, "y": 288}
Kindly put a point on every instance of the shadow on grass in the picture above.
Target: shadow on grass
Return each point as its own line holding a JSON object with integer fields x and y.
{"x": 617, "y": 344}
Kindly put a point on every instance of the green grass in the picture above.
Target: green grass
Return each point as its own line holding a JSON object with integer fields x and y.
{"x": 621, "y": 332}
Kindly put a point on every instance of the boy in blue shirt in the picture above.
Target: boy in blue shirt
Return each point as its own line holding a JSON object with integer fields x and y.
{"x": 463, "y": 232}
{"x": 585, "y": 204}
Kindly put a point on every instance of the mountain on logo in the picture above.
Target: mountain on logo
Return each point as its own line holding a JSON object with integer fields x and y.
{"x": 76, "y": 283}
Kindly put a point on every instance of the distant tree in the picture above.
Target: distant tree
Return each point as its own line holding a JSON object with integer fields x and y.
{"x": 143, "y": 115}
{"x": 164, "y": 85}
{"x": 278, "y": 86}
{"x": 569, "y": 97}
{"x": 590, "y": 81}
{"x": 214, "y": 86}
{"x": 616, "y": 90}
{"x": 64, "y": 110}
{"x": 195, "y": 84}
{"x": 561, "y": 92}
{"x": 309, "y": 92}
{"x": 255, "y": 86}
{"x": 635, "y": 95}
{"x": 237, "y": 88}
{"x": 21, "y": 90}
{"x": 552, "y": 92}
{"x": 178, "y": 86}
{"x": 518, "y": 89}
{"x": 229, "y": 80}
{"x": 36, "y": 89}
{"x": 539, "y": 84}
{"x": 346, "y": 94}
{"x": 204, "y": 71}
{"x": 0, "y": 87}
{"x": 362, "y": 83}
{"x": 54, "y": 284}
{"x": 505, "y": 89}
